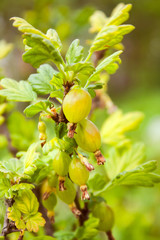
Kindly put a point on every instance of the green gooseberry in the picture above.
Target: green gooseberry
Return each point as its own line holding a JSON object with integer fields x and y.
{"x": 78, "y": 172}
{"x": 88, "y": 136}
{"x": 50, "y": 202}
{"x": 77, "y": 105}
{"x": 105, "y": 215}
{"x": 61, "y": 163}
{"x": 69, "y": 194}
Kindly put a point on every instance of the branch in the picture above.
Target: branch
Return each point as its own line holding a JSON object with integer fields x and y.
{"x": 84, "y": 211}
{"x": 8, "y": 226}
{"x": 48, "y": 226}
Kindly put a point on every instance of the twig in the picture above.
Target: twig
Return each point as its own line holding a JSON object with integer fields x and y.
{"x": 109, "y": 235}
{"x": 84, "y": 211}
{"x": 48, "y": 226}
{"x": 8, "y": 227}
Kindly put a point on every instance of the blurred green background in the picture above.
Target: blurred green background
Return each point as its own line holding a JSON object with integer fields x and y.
{"x": 135, "y": 86}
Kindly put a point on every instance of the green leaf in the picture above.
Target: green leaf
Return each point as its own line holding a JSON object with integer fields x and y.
{"x": 117, "y": 162}
{"x": 64, "y": 235}
{"x": 114, "y": 128}
{"x": 81, "y": 67}
{"x": 27, "y": 202}
{"x": 97, "y": 182}
{"x": 57, "y": 81}
{"x": 17, "y": 91}
{"x": 21, "y": 186}
{"x": 4, "y": 186}
{"x": 40, "y": 47}
{"x": 107, "y": 63}
{"x": 54, "y": 38}
{"x": 57, "y": 94}
{"x": 15, "y": 215}
{"x": 139, "y": 176}
{"x": 5, "y": 48}
{"x": 29, "y": 159}
{"x": 40, "y": 50}
{"x": 74, "y": 53}
{"x": 61, "y": 130}
{"x": 51, "y": 145}
{"x": 119, "y": 14}
{"x": 89, "y": 230}
{"x": 37, "y": 107}
{"x": 22, "y": 131}
{"x": 12, "y": 166}
{"x": 33, "y": 222}
{"x": 24, "y": 26}
{"x": 95, "y": 86}
{"x": 109, "y": 36}
{"x": 97, "y": 21}
{"x": 25, "y": 212}
{"x": 40, "y": 81}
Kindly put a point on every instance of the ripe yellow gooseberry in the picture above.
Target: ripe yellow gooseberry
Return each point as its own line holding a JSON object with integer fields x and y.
{"x": 77, "y": 105}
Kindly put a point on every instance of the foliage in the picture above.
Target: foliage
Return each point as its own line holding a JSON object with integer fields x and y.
{"x": 41, "y": 163}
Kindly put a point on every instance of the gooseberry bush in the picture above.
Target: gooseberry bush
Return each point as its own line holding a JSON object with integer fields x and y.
{"x": 72, "y": 164}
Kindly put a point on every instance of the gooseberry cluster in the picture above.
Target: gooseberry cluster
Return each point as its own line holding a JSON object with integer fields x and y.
{"x": 70, "y": 166}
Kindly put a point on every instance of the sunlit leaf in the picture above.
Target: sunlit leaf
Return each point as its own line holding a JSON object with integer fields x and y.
{"x": 37, "y": 107}
{"x": 117, "y": 162}
{"x": 139, "y": 176}
{"x": 74, "y": 53}
{"x": 17, "y": 91}
{"x": 34, "y": 222}
{"x": 114, "y": 128}
{"x": 40, "y": 81}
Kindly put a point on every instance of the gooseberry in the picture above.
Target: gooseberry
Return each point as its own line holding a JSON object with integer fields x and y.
{"x": 69, "y": 194}
{"x": 49, "y": 204}
{"x": 77, "y": 105}
{"x": 48, "y": 186}
{"x": 89, "y": 139}
{"x": 79, "y": 175}
{"x": 105, "y": 215}
{"x": 88, "y": 136}
{"x": 61, "y": 163}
